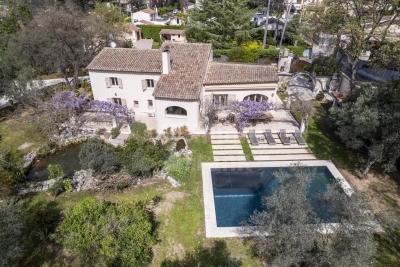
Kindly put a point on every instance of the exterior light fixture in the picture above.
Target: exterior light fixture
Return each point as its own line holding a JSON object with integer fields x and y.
{"x": 115, "y": 94}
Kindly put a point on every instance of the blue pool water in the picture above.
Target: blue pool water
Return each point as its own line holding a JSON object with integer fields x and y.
{"x": 238, "y": 193}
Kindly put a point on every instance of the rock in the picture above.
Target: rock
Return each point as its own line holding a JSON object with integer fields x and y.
{"x": 83, "y": 180}
{"x": 173, "y": 182}
{"x": 25, "y": 146}
{"x": 28, "y": 160}
{"x": 184, "y": 152}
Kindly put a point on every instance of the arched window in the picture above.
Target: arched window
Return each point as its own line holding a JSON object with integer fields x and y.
{"x": 256, "y": 97}
{"x": 174, "y": 110}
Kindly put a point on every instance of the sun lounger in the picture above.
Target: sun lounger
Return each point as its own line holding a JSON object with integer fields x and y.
{"x": 253, "y": 138}
{"x": 269, "y": 137}
{"x": 299, "y": 138}
{"x": 282, "y": 135}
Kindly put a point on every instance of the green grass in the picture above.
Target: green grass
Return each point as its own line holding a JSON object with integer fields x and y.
{"x": 326, "y": 145}
{"x": 246, "y": 149}
{"x": 156, "y": 45}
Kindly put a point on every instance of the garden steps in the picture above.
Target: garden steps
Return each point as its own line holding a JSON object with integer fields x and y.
{"x": 223, "y": 142}
{"x": 227, "y": 147}
{"x": 229, "y": 158}
{"x": 224, "y": 136}
{"x": 281, "y": 151}
{"x": 285, "y": 157}
{"x": 228, "y": 152}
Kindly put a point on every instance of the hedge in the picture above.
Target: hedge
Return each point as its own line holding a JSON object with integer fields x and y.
{"x": 297, "y": 50}
{"x": 153, "y": 31}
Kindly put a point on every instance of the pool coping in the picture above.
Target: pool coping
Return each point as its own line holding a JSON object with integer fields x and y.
{"x": 212, "y": 231}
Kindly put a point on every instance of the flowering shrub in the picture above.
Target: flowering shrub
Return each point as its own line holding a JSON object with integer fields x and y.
{"x": 248, "y": 109}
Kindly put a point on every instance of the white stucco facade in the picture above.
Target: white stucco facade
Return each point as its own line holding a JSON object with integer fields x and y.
{"x": 132, "y": 89}
{"x": 164, "y": 120}
{"x": 240, "y": 91}
{"x": 140, "y": 15}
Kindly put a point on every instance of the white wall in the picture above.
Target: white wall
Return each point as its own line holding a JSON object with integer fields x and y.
{"x": 165, "y": 120}
{"x": 132, "y": 88}
{"x": 141, "y": 15}
{"x": 242, "y": 90}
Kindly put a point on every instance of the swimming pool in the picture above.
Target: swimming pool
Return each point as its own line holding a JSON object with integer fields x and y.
{"x": 232, "y": 191}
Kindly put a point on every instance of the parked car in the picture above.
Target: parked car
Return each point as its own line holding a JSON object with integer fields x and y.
{"x": 175, "y": 11}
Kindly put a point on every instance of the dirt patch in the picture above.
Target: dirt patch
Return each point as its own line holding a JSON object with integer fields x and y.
{"x": 166, "y": 205}
{"x": 381, "y": 190}
{"x": 177, "y": 250}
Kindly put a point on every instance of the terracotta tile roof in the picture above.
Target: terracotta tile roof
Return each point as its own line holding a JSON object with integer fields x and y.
{"x": 235, "y": 73}
{"x": 146, "y": 22}
{"x": 188, "y": 69}
{"x": 172, "y": 31}
{"x": 127, "y": 59}
{"x": 131, "y": 26}
{"x": 149, "y": 11}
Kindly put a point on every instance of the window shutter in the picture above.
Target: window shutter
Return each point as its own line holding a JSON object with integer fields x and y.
{"x": 108, "y": 82}
{"x": 109, "y": 100}
{"x": 123, "y": 101}
{"x": 144, "y": 85}
{"x": 120, "y": 83}
{"x": 155, "y": 83}
{"x": 231, "y": 98}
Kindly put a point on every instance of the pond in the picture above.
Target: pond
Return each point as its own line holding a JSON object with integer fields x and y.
{"x": 67, "y": 158}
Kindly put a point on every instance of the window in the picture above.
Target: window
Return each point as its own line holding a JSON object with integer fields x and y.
{"x": 117, "y": 101}
{"x": 176, "y": 111}
{"x": 179, "y": 36}
{"x": 256, "y": 97}
{"x": 220, "y": 100}
{"x": 150, "y": 83}
{"x": 114, "y": 81}
{"x": 150, "y": 103}
{"x": 136, "y": 103}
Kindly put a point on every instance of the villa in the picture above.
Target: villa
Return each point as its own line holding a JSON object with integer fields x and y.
{"x": 171, "y": 83}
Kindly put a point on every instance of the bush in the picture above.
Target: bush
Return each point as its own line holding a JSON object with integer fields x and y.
{"x": 251, "y": 55}
{"x": 98, "y": 156}
{"x": 153, "y": 31}
{"x": 55, "y": 171}
{"x": 102, "y": 233}
{"x": 127, "y": 19}
{"x": 138, "y": 128}
{"x": 177, "y": 167}
{"x": 101, "y": 131}
{"x": 271, "y": 41}
{"x": 121, "y": 186}
{"x": 67, "y": 185}
{"x": 182, "y": 131}
{"x": 115, "y": 132}
{"x": 141, "y": 156}
{"x": 57, "y": 188}
{"x": 320, "y": 96}
{"x": 297, "y": 50}
{"x": 219, "y": 52}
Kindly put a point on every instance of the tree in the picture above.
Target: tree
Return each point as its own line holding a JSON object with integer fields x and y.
{"x": 98, "y": 156}
{"x": 324, "y": 66}
{"x": 11, "y": 233}
{"x": 109, "y": 13}
{"x": 354, "y": 24}
{"x": 59, "y": 40}
{"x": 138, "y": 4}
{"x": 369, "y": 118}
{"x": 142, "y": 156}
{"x": 296, "y": 236}
{"x": 11, "y": 172}
{"x": 102, "y": 233}
{"x": 209, "y": 114}
{"x": 306, "y": 109}
{"x": 217, "y": 21}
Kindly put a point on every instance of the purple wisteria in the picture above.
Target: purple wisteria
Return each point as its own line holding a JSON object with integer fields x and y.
{"x": 248, "y": 109}
{"x": 82, "y": 103}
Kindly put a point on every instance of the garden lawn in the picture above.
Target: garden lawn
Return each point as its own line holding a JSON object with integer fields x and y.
{"x": 246, "y": 149}
{"x": 180, "y": 227}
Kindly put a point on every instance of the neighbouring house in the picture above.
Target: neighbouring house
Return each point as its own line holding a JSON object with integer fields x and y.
{"x": 124, "y": 5}
{"x": 171, "y": 83}
{"x": 148, "y": 16}
{"x": 132, "y": 32}
{"x": 273, "y": 23}
{"x": 173, "y": 35}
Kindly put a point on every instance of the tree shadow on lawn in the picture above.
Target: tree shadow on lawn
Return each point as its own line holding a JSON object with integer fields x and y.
{"x": 217, "y": 255}
{"x": 41, "y": 217}
{"x": 326, "y": 145}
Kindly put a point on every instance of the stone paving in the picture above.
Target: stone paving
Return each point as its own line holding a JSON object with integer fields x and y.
{"x": 227, "y": 148}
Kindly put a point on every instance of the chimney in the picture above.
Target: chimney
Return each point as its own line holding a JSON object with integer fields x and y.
{"x": 166, "y": 62}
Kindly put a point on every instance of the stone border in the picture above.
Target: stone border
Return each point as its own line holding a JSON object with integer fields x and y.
{"x": 212, "y": 231}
